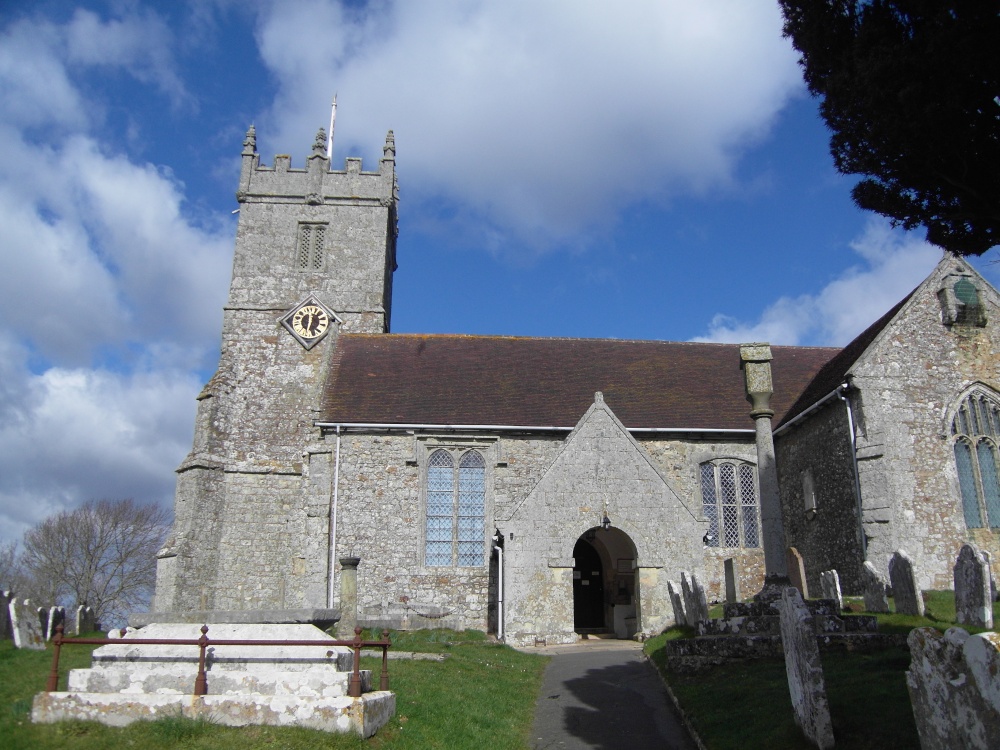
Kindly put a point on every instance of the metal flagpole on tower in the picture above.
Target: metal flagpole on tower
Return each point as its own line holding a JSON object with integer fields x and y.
{"x": 329, "y": 138}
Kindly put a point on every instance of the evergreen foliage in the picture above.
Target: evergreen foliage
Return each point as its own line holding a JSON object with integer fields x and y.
{"x": 910, "y": 91}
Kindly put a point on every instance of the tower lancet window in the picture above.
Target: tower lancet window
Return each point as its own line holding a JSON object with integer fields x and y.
{"x": 311, "y": 243}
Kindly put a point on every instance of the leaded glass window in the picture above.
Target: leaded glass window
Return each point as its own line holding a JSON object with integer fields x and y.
{"x": 729, "y": 502}
{"x": 976, "y": 427}
{"x": 456, "y": 502}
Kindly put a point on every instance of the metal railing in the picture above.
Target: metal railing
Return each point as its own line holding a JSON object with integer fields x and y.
{"x": 201, "y": 680}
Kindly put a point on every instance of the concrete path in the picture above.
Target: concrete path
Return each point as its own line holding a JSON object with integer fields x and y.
{"x": 604, "y": 694}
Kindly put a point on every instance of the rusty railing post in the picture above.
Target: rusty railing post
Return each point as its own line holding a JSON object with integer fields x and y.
{"x": 201, "y": 681}
{"x": 384, "y": 679}
{"x": 354, "y": 685}
{"x": 53, "y": 683}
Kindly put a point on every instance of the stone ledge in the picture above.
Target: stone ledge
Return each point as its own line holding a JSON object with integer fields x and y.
{"x": 321, "y": 618}
{"x": 363, "y": 716}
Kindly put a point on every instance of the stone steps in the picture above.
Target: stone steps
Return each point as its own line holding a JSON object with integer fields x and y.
{"x": 362, "y": 715}
{"x": 179, "y": 679}
{"x": 277, "y": 685}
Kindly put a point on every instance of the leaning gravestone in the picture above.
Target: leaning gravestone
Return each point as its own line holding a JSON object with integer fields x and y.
{"x": 973, "y": 603}
{"x": 804, "y": 669}
{"x": 24, "y": 619}
{"x": 797, "y": 571}
{"x": 733, "y": 593}
{"x": 829, "y": 582}
{"x": 6, "y": 631}
{"x": 874, "y": 589}
{"x": 680, "y": 616}
{"x": 903, "y": 580}
{"x": 695, "y": 601}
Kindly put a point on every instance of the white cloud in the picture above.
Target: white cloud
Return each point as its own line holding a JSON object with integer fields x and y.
{"x": 110, "y": 295}
{"x": 894, "y": 264}
{"x": 540, "y": 119}
{"x": 70, "y": 434}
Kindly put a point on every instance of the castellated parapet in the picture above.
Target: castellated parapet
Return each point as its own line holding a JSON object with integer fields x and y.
{"x": 315, "y": 253}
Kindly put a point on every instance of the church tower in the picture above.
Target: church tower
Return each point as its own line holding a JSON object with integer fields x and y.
{"x": 315, "y": 253}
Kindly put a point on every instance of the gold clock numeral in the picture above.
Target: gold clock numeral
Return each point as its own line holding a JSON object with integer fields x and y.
{"x": 310, "y": 321}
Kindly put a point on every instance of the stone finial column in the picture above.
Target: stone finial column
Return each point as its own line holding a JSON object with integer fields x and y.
{"x": 756, "y": 364}
{"x": 348, "y": 596}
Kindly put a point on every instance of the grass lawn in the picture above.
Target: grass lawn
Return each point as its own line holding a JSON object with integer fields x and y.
{"x": 746, "y": 705}
{"x": 481, "y": 696}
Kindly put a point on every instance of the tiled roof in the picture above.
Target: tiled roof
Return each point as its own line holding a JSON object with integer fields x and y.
{"x": 832, "y": 374}
{"x": 536, "y": 382}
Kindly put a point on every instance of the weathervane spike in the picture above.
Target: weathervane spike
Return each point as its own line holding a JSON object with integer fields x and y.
{"x": 329, "y": 138}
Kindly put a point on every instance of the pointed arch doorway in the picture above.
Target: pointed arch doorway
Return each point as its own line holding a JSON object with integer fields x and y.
{"x": 605, "y": 600}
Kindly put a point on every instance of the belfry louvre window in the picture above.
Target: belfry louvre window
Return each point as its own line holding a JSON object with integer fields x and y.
{"x": 975, "y": 429}
{"x": 456, "y": 501}
{"x": 729, "y": 501}
{"x": 310, "y": 249}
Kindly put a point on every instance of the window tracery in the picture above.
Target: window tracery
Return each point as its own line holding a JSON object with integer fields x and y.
{"x": 975, "y": 430}
{"x": 456, "y": 502}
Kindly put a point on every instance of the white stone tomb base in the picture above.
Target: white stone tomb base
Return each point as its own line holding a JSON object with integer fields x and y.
{"x": 275, "y": 685}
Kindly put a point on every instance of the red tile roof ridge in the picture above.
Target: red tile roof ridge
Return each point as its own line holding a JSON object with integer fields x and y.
{"x": 604, "y": 339}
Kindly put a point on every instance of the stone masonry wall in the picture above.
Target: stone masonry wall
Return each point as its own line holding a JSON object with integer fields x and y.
{"x": 381, "y": 519}
{"x": 910, "y": 381}
{"x": 827, "y": 537}
{"x": 251, "y": 515}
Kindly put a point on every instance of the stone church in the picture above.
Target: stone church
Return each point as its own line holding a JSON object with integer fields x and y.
{"x": 538, "y": 488}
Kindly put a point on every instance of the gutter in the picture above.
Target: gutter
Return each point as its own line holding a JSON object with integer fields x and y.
{"x": 802, "y": 415}
{"x": 333, "y": 525}
{"x": 511, "y": 428}
{"x": 862, "y": 539}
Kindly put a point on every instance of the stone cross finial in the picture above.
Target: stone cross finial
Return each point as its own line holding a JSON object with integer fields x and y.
{"x": 319, "y": 145}
{"x": 756, "y": 363}
{"x": 250, "y": 142}
{"x": 389, "y": 149}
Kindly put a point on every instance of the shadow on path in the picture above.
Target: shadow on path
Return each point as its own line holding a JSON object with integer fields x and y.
{"x": 605, "y": 699}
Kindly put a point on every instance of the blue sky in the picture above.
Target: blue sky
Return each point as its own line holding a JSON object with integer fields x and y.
{"x": 648, "y": 170}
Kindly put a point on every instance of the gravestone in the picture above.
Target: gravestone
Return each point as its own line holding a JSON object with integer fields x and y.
{"x": 952, "y": 680}
{"x": 903, "y": 580}
{"x": 6, "y": 631}
{"x": 876, "y": 599}
{"x": 993, "y": 578}
{"x": 84, "y": 621}
{"x": 804, "y": 669}
{"x": 24, "y": 620}
{"x": 695, "y": 601}
{"x": 797, "y": 571}
{"x": 42, "y": 613}
{"x": 57, "y": 617}
{"x": 973, "y": 600}
{"x": 733, "y": 593}
{"x": 680, "y": 616}
{"x": 829, "y": 582}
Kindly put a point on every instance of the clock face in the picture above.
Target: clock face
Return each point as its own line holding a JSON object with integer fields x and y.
{"x": 310, "y": 321}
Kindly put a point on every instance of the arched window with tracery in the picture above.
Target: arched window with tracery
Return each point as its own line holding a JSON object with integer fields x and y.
{"x": 975, "y": 430}
{"x": 729, "y": 501}
{"x": 456, "y": 503}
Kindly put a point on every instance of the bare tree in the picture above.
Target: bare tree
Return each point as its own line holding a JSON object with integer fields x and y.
{"x": 102, "y": 554}
{"x": 9, "y": 572}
